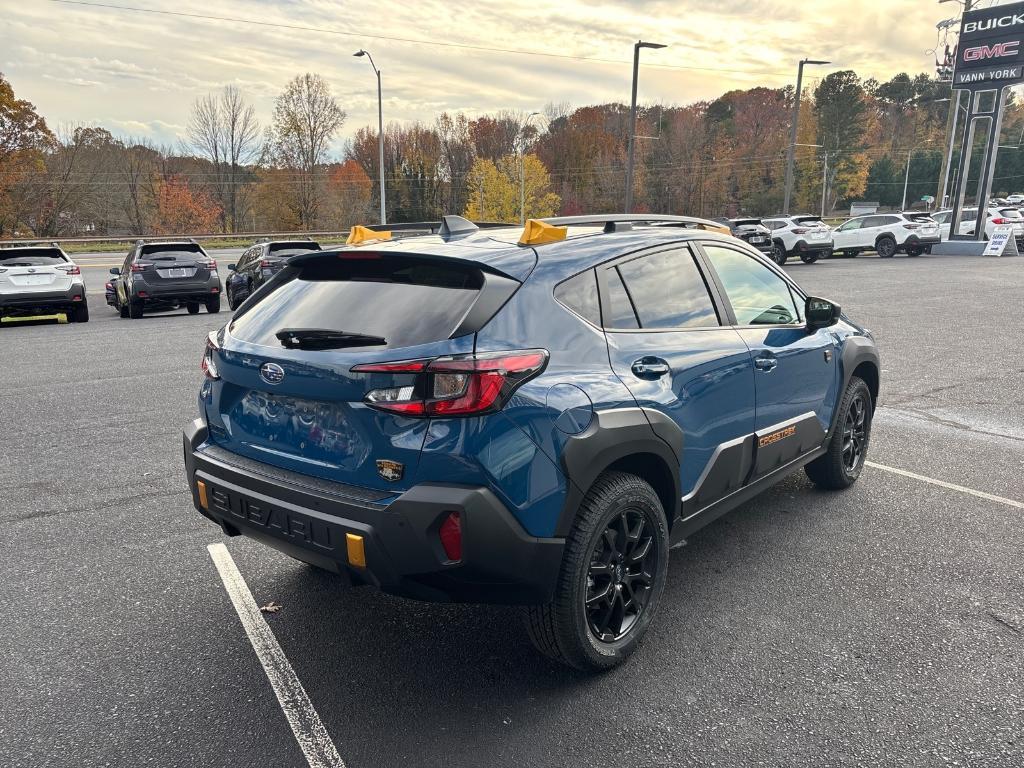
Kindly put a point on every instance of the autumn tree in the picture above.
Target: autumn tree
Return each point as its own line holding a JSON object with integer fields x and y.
{"x": 842, "y": 114}
{"x": 24, "y": 140}
{"x": 182, "y": 210}
{"x": 349, "y": 196}
{"x": 306, "y": 120}
{"x": 223, "y": 129}
{"x": 495, "y": 191}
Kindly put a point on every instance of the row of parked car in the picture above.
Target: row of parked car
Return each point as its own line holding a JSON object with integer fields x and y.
{"x": 163, "y": 276}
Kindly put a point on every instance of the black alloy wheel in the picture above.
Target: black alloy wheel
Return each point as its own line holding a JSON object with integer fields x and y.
{"x": 855, "y": 433}
{"x": 779, "y": 253}
{"x": 621, "y": 576}
{"x": 886, "y": 248}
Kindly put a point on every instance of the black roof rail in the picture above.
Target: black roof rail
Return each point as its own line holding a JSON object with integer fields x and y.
{"x": 604, "y": 220}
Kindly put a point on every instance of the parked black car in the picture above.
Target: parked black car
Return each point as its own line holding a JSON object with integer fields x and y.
{"x": 158, "y": 277}
{"x": 259, "y": 263}
{"x": 752, "y": 231}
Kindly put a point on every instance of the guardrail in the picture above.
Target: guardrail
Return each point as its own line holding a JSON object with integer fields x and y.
{"x": 254, "y": 236}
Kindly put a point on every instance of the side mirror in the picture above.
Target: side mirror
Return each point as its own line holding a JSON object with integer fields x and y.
{"x": 231, "y": 267}
{"x": 115, "y": 271}
{"x": 821, "y": 313}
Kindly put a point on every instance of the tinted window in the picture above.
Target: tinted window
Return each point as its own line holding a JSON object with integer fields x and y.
{"x": 406, "y": 301}
{"x": 32, "y": 257}
{"x": 172, "y": 252}
{"x": 622, "y": 314}
{"x": 668, "y": 291}
{"x": 851, "y": 225}
{"x": 284, "y": 250}
{"x": 758, "y": 295}
{"x": 580, "y": 295}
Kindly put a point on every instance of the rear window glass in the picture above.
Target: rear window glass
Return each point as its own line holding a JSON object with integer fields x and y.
{"x": 808, "y": 220}
{"x": 175, "y": 252}
{"x": 668, "y": 291}
{"x": 282, "y": 250}
{"x": 405, "y": 301}
{"x": 32, "y": 257}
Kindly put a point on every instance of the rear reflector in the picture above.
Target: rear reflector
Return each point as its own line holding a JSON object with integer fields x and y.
{"x": 450, "y": 534}
{"x": 204, "y": 502}
{"x": 356, "y": 550}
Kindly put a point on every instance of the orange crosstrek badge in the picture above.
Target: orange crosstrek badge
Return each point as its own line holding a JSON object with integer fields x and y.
{"x": 774, "y": 437}
{"x": 391, "y": 471}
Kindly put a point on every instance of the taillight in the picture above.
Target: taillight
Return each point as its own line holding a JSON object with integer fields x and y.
{"x": 139, "y": 267}
{"x": 450, "y": 534}
{"x": 460, "y": 385}
{"x": 70, "y": 269}
{"x": 1000, "y": 221}
{"x": 209, "y": 364}
{"x": 800, "y": 231}
{"x": 911, "y": 226}
{"x": 212, "y": 264}
{"x": 264, "y": 264}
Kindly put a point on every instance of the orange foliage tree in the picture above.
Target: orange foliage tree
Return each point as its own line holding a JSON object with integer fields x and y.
{"x": 183, "y": 210}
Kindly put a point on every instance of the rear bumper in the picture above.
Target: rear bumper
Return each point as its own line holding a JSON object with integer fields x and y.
{"x": 309, "y": 520}
{"x": 178, "y": 292}
{"x": 917, "y": 240}
{"x": 805, "y": 247}
{"x": 37, "y": 302}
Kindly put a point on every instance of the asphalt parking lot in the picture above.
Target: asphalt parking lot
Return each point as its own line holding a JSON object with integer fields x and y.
{"x": 880, "y": 626}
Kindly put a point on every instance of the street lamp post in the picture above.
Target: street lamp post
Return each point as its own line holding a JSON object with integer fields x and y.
{"x": 632, "y": 121}
{"x": 380, "y": 134}
{"x": 522, "y": 168}
{"x": 790, "y": 155}
{"x": 906, "y": 179}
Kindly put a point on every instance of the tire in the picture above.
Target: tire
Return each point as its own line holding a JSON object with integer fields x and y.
{"x": 192, "y": 307}
{"x": 809, "y": 258}
{"x": 213, "y": 305}
{"x": 851, "y": 254}
{"x": 885, "y": 247}
{"x": 122, "y": 309}
{"x": 601, "y": 547}
{"x": 232, "y": 304}
{"x": 843, "y": 462}
{"x": 914, "y": 250}
{"x": 79, "y": 314}
{"x": 134, "y": 309}
{"x": 779, "y": 254}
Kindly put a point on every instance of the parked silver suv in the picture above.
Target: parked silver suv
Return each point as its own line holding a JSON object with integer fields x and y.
{"x": 41, "y": 280}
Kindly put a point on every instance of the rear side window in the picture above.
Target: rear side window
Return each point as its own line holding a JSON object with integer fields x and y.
{"x": 406, "y": 301}
{"x": 580, "y": 295}
{"x": 32, "y": 257}
{"x": 668, "y": 291}
{"x": 758, "y": 295}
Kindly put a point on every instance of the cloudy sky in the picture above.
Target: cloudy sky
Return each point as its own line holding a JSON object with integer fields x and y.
{"x": 138, "y": 73}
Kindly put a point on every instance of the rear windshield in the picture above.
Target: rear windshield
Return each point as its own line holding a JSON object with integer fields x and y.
{"x": 918, "y": 216}
{"x": 32, "y": 257}
{"x": 405, "y": 301}
{"x": 747, "y": 222}
{"x": 172, "y": 252}
{"x": 808, "y": 220}
{"x": 1011, "y": 213}
{"x": 283, "y": 250}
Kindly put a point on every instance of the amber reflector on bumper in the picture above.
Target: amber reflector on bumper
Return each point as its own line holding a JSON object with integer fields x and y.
{"x": 356, "y": 553}
{"x": 203, "y": 501}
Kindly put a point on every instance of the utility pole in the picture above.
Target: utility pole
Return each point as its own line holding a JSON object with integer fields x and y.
{"x": 824, "y": 185}
{"x": 791, "y": 151}
{"x": 522, "y": 169}
{"x": 632, "y": 121}
{"x": 380, "y": 133}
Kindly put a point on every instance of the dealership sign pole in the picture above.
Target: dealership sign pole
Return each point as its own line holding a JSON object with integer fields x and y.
{"x": 989, "y": 58}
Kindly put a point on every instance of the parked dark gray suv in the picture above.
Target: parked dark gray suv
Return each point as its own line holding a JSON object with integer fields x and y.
{"x": 162, "y": 276}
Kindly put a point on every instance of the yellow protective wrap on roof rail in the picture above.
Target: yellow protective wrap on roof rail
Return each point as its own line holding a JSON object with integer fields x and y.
{"x": 358, "y": 235}
{"x": 539, "y": 233}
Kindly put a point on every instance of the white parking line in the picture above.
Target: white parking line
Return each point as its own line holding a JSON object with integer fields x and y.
{"x": 944, "y": 484}
{"x": 309, "y": 730}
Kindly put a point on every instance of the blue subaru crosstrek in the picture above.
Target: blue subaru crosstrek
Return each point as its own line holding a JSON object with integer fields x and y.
{"x": 529, "y": 417}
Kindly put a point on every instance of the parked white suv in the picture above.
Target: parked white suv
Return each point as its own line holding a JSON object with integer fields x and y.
{"x": 995, "y": 217}
{"x": 41, "y": 280}
{"x": 805, "y": 236}
{"x": 1015, "y": 199}
{"x": 887, "y": 234}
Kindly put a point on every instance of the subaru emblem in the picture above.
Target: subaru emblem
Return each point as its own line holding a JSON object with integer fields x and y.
{"x": 272, "y": 373}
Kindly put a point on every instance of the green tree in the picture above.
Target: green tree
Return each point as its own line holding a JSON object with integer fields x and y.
{"x": 494, "y": 190}
{"x": 843, "y": 117}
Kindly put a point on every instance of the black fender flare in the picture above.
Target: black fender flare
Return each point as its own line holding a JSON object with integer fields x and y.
{"x": 856, "y": 350}
{"x": 614, "y": 435}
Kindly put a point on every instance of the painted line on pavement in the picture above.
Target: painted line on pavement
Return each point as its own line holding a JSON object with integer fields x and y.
{"x": 950, "y": 486}
{"x": 309, "y": 730}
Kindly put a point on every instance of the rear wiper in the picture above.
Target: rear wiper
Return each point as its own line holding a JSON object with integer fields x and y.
{"x": 324, "y": 338}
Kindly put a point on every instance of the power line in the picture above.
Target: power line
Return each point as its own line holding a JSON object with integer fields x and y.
{"x": 411, "y": 40}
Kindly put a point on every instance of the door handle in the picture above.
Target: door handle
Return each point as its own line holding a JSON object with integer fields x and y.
{"x": 650, "y": 368}
{"x": 765, "y": 364}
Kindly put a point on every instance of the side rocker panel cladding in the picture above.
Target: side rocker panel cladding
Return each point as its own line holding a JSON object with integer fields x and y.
{"x": 615, "y": 435}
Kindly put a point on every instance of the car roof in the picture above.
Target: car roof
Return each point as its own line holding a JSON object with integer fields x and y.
{"x": 497, "y": 249}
